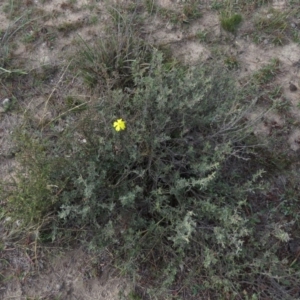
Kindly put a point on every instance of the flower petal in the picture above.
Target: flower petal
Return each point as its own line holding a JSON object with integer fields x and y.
{"x": 119, "y": 125}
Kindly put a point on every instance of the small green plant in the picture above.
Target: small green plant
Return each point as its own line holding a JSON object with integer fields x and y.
{"x": 93, "y": 19}
{"x": 268, "y": 72}
{"x": 150, "y": 6}
{"x": 75, "y": 104}
{"x": 171, "y": 15}
{"x": 37, "y": 198}
{"x": 231, "y": 62}
{"x": 217, "y": 5}
{"x": 278, "y": 39}
{"x": 230, "y": 23}
{"x": 202, "y": 36}
{"x": 31, "y": 36}
{"x": 296, "y": 36}
{"x": 134, "y": 296}
{"x": 67, "y": 27}
{"x": 191, "y": 10}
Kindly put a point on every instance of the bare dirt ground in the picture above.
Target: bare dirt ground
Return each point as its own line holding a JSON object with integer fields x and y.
{"x": 67, "y": 275}
{"x": 49, "y": 41}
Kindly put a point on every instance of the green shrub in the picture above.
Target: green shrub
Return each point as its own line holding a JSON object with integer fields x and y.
{"x": 166, "y": 190}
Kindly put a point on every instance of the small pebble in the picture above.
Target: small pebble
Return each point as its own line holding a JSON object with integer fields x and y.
{"x": 293, "y": 88}
{"x": 294, "y": 246}
{"x": 6, "y": 101}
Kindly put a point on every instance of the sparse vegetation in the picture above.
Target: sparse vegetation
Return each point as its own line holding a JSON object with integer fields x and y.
{"x": 275, "y": 25}
{"x": 247, "y": 6}
{"x": 268, "y": 72}
{"x": 178, "y": 172}
{"x": 191, "y": 10}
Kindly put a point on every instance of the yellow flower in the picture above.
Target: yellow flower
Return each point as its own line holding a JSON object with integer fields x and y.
{"x": 119, "y": 125}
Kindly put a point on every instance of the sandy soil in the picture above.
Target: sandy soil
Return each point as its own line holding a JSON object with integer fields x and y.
{"x": 63, "y": 275}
